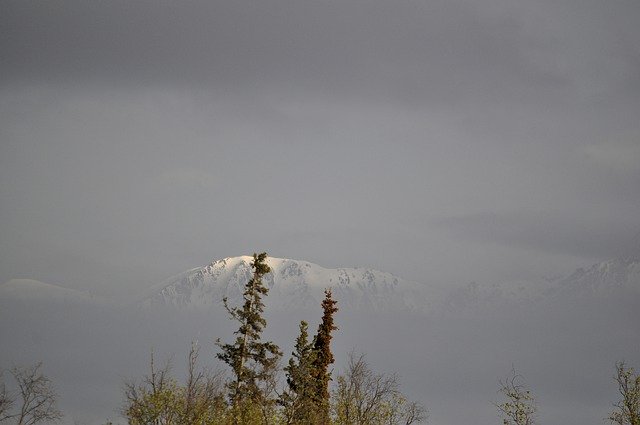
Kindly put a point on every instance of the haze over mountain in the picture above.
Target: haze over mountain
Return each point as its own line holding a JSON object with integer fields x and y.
{"x": 439, "y": 341}
{"x": 299, "y": 285}
{"x": 485, "y": 150}
{"x": 28, "y": 289}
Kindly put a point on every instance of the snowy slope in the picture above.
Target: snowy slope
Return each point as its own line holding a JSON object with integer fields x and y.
{"x": 604, "y": 278}
{"x": 292, "y": 284}
{"x": 295, "y": 284}
{"x": 615, "y": 276}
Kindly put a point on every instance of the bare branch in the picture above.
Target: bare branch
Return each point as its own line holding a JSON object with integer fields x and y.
{"x": 6, "y": 402}
{"x": 518, "y": 407}
{"x": 37, "y": 396}
{"x": 627, "y": 408}
{"x": 365, "y": 397}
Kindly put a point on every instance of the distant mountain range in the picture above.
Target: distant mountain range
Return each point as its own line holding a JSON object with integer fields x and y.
{"x": 615, "y": 276}
{"x": 292, "y": 284}
{"x": 605, "y": 277}
{"x": 297, "y": 284}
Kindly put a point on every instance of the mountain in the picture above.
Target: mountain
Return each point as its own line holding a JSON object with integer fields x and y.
{"x": 615, "y": 276}
{"x": 292, "y": 284}
{"x": 604, "y": 278}
{"x": 296, "y": 284}
{"x": 26, "y": 290}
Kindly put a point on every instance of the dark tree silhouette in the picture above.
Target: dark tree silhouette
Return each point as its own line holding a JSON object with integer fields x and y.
{"x": 253, "y": 362}
{"x": 299, "y": 401}
{"x": 35, "y": 400}
{"x": 324, "y": 356}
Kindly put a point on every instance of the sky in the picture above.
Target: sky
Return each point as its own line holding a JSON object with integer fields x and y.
{"x": 444, "y": 141}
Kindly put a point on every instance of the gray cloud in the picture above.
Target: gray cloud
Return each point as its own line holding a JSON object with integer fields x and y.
{"x": 406, "y": 50}
{"x": 445, "y": 141}
{"x": 142, "y": 131}
{"x": 547, "y": 232}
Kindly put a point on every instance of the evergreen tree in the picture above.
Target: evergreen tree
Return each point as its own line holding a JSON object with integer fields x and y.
{"x": 299, "y": 401}
{"x": 324, "y": 356}
{"x": 252, "y": 361}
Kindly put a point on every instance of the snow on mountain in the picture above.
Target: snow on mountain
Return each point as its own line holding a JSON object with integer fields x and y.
{"x": 604, "y": 278}
{"x": 295, "y": 284}
{"x": 292, "y": 284}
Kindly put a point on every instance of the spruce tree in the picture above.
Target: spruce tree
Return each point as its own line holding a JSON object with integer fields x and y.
{"x": 252, "y": 361}
{"x": 324, "y": 356}
{"x": 299, "y": 401}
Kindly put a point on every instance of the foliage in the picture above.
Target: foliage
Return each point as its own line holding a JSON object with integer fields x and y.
{"x": 518, "y": 407}
{"x": 160, "y": 400}
{"x": 253, "y": 363}
{"x": 35, "y": 399}
{"x": 300, "y": 400}
{"x": 627, "y": 409}
{"x": 363, "y": 397}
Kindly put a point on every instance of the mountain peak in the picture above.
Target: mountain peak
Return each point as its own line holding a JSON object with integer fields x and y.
{"x": 292, "y": 284}
{"x": 606, "y": 276}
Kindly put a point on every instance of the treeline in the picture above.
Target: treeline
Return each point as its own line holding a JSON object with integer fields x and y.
{"x": 518, "y": 405}
{"x": 253, "y": 393}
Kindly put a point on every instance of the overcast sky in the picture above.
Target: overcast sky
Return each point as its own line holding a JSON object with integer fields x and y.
{"x": 444, "y": 141}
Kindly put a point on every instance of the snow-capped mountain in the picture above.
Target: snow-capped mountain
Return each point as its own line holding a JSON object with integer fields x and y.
{"x": 618, "y": 275}
{"x": 296, "y": 284}
{"x": 605, "y": 277}
{"x": 292, "y": 284}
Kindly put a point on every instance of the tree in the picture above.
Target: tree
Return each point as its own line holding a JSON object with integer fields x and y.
{"x": 627, "y": 409}
{"x": 518, "y": 406}
{"x": 323, "y": 356}
{"x": 160, "y": 400}
{"x": 203, "y": 393}
{"x": 36, "y": 399}
{"x": 363, "y": 397}
{"x": 300, "y": 400}
{"x": 253, "y": 362}
{"x": 6, "y": 401}
{"x": 155, "y": 401}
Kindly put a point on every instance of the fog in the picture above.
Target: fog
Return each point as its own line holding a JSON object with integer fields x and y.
{"x": 140, "y": 140}
{"x": 445, "y": 141}
{"x": 450, "y": 359}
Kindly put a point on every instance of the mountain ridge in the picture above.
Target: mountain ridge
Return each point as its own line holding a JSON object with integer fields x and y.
{"x": 292, "y": 284}
{"x": 299, "y": 284}
{"x": 30, "y": 289}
